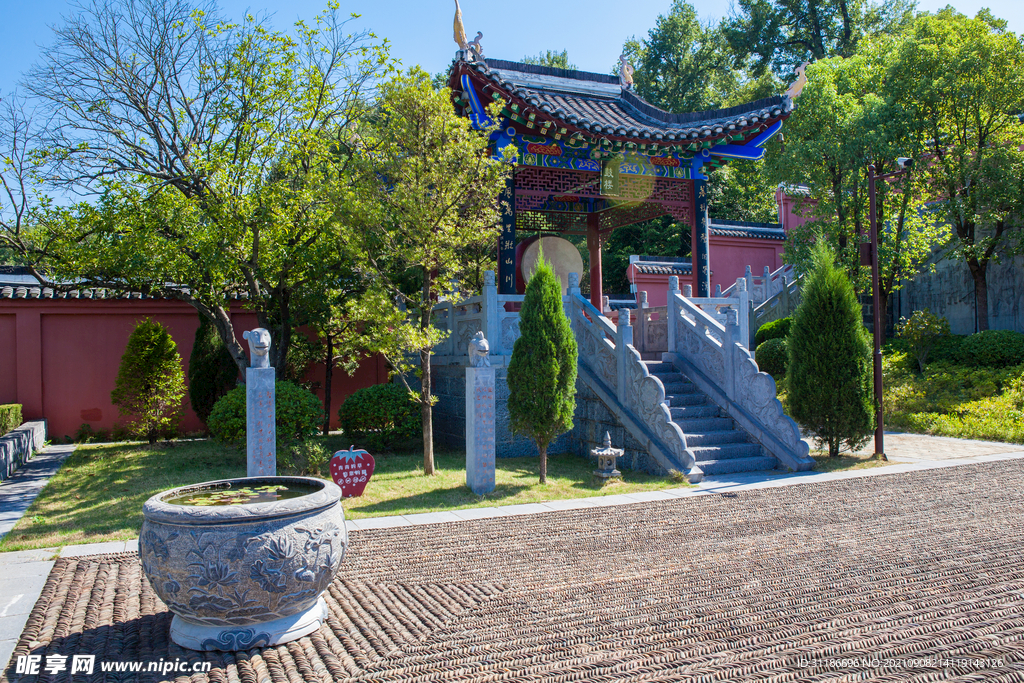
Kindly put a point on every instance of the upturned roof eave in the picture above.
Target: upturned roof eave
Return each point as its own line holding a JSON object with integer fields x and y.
{"x": 652, "y": 125}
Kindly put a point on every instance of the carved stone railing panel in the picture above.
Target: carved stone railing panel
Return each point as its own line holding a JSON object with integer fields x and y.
{"x": 779, "y": 305}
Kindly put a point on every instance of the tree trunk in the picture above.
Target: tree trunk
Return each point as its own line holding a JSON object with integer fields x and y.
{"x": 328, "y": 376}
{"x": 978, "y": 270}
{"x": 226, "y": 331}
{"x": 543, "y": 448}
{"x": 426, "y": 410}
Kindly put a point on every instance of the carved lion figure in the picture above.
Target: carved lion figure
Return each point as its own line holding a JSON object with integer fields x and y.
{"x": 478, "y": 351}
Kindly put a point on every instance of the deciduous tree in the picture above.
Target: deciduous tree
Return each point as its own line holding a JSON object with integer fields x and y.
{"x": 217, "y": 151}
{"x": 428, "y": 190}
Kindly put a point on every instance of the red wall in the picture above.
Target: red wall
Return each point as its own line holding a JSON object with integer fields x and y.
{"x": 730, "y": 257}
{"x": 8, "y": 359}
{"x": 59, "y": 357}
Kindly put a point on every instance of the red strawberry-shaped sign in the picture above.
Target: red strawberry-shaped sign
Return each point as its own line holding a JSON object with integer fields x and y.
{"x": 351, "y": 470}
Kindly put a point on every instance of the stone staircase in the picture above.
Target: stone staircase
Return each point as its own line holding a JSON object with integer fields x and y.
{"x": 719, "y": 447}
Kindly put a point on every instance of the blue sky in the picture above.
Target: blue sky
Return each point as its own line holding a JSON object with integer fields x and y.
{"x": 421, "y": 30}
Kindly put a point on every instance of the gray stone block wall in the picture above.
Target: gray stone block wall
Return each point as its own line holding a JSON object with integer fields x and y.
{"x": 592, "y": 420}
{"x": 19, "y": 445}
{"x": 449, "y": 385}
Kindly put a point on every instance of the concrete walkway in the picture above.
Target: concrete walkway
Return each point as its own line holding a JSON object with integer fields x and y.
{"x": 18, "y": 492}
{"x": 23, "y": 574}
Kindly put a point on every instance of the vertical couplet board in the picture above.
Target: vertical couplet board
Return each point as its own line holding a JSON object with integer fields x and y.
{"x": 507, "y": 239}
{"x": 699, "y": 259}
{"x": 260, "y": 423}
{"x": 480, "y": 429}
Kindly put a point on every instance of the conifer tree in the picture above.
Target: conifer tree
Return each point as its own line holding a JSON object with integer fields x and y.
{"x": 212, "y": 371}
{"x": 829, "y": 374}
{"x": 542, "y": 372}
{"x": 150, "y": 384}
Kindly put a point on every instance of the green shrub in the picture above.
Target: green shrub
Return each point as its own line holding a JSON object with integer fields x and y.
{"x": 776, "y": 329}
{"x": 947, "y": 349}
{"x": 211, "y": 370}
{"x": 542, "y": 372}
{"x": 772, "y": 357}
{"x": 306, "y": 458}
{"x": 10, "y": 417}
{"x": 992, "y": 348}
{"x": 829, "y": 372}
{"x": 921, "y": 331}
{"x": 298, "y": 415}
{"x": 150, "y": 384}
{"x": 381, "y": 416}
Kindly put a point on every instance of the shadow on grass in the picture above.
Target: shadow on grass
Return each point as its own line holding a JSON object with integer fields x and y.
{"x": 444, "y": 498}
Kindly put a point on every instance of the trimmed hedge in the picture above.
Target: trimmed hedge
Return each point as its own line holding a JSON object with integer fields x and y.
{"x": 380, "y": 416}
{"x": 776, "y": 329}
{"x": 10, "y": 417}
{"x": 992, "y": 349}
{"x": 772, "y": 357}
{"x": 298, "y": 412}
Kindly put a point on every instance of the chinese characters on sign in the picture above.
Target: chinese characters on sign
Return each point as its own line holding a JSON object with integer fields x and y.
{"x": 350, "y": 470}
{"x": 611, "y": 176}
{"x": 700, "y": 257}
{"x": 507, "y": 241}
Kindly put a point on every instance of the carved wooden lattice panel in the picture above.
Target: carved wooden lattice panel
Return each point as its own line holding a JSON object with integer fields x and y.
{"x": 549, "y": 220}
{"x": 557, "y": 181}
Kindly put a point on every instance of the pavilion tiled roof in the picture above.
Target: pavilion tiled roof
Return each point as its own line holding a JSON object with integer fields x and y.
{"x": 598, "y": 104}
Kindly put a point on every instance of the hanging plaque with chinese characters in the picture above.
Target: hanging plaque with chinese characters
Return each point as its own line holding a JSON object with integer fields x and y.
{"x": 611, "y": 176}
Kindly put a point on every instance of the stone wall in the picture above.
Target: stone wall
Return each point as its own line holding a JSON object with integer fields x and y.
{"x": 18, "y": 445}
{"x": 592, "y": 420}
{"x": 949, "y": 292}
{"x": 449, "y": 385}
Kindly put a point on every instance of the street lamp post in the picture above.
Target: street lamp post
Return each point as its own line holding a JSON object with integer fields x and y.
{"x": 904, "y": 165}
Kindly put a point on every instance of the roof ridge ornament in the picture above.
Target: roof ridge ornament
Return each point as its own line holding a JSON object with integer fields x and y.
{"x": 801, "y": 80}
{"x": 625, "y": 73}
{"x": 476, "y": 51}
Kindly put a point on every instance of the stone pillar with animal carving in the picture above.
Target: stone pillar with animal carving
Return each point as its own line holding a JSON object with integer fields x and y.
{"x": 479, "y": 417}
{"x": 260, "y": 411}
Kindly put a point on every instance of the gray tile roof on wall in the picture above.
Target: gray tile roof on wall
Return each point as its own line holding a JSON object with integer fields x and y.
{"x": 18, "y": 290}
{"x": 662, "y": 268}
{"x": 761, "y": 231}
{"x": 598, "y": 104}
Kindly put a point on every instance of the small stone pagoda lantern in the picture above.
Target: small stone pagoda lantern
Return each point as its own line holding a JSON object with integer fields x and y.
{"x": 606, "y": 459}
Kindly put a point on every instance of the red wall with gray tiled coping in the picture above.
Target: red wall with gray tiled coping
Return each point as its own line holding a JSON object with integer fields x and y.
{"x": 59, "y": 357}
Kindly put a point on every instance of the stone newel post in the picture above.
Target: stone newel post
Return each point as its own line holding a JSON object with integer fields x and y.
{"x": 260, "y": 413}
{"x": 479, "y": 417}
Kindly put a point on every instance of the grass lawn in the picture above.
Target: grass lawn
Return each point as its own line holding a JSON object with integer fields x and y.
{"x": 846, "y": 462}
{"x": 98, "y": 494}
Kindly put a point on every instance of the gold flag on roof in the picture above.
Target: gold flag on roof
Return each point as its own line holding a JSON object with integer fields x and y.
{"x": 460, "y": 31}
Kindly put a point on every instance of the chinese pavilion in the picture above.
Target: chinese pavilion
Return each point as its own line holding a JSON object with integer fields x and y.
{"x": 594, "y": 156}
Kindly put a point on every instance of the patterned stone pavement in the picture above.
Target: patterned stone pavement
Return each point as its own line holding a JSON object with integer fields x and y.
{"x": 905, "y": 576}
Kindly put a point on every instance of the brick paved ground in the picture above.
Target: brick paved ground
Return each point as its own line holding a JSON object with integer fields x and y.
{"x": 915, "y": 576}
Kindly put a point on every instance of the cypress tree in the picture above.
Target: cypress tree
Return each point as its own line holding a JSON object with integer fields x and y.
{"x": 150, "y": 384}
{"x": 829, "y": 374}
{"x": 542, "y": 372}
{"x": 212, "y": 371}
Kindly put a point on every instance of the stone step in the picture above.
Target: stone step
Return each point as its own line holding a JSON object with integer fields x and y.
{"x": 671, "y": 377}
{"x": 694, "y": 399}
{"x": 715, "y": 438}
{"x": 715, "y": 467}
{"x": 675, "y": 388}
{"x": 654, "y": 367}
{"x": 689, "y": 412}
{"x": 705, "y": 424}
{"x": 725, "y": 451}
